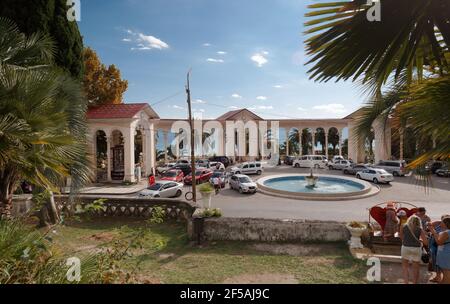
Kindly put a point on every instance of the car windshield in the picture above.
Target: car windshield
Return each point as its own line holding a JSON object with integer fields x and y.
{"x": 382, "y": 171}
{"x": 155, "y": 187}
{"x": 217, "y": 174}
{"x": 170, "y": 174}
{"x": 244, "y": 180}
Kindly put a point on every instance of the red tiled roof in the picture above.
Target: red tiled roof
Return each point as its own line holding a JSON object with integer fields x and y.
{"x": 115, "y": 111}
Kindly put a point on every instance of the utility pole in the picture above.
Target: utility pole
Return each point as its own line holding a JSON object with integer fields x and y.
{"x": 191, "y": 123}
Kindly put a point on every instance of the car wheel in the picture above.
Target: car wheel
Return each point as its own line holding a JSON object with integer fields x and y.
{"x": 375, "y": 181}
{"x": 157, "y": 196}
{"x": 395, "y": 173}
{"x": 358, "y": 176}
{"x": 297, "y": 166}
{"x": 237, "y": 172}
{"x": 259, "y": 172}
{"x": 240, "y": 191}
{"x": 316, "y": 166}
{"x": 345, "y": 172}
{"x": 330, "y": 167}
{"x": 179, "y": 193}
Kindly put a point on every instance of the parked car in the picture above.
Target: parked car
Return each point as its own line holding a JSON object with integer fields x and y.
{"x": 201, "y": 176}
{"x": 435, "y": 165}
{"x": 186, "y": 168}
{"x": 375, "y": 175}
{"x": 337, "y": 157}
{"x": 216, "y": 166}
{"x": 395, "y": 167}
{"x": 163, "y": 189}
{"x": 248, "y": 168}
{"x": 173, "y": 176}
{"x": 202, "y": 163}
{"x": 182, "y": 161}
{"x": 222, "y": 159}
{"x": 444, "y": 172}
{"x": 219, "y": 177}
{"x": 243, "y": 184}
{"x": 308, "y": 161}
{"x": 289, "y": 160}
{"x": 355, "y": 168}
{"x": 339, "y": 164}
{"x": 165, "y": 167}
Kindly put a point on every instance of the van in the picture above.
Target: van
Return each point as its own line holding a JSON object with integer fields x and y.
{"x": 248, "y": 168}
{"x": 310, "y": 161}
{"x": 395, "y": 167}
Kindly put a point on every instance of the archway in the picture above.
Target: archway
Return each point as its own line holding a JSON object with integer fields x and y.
{"x": 101, "y": 156}
{"x": 118, "y": 156}
{"x": 334, "y": 142}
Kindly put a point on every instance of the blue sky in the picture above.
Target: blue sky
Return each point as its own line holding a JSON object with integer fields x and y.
{"x": 243, "y": 53}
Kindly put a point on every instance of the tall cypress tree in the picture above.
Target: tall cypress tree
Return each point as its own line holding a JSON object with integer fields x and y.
{"x": 50, "y": 17}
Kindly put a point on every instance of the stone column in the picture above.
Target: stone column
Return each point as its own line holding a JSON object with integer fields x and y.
{"x": 313, "y": 145}
{"x": 300, "y": 141}
{"x": 326, "y": 144}
{"x": 108, "y": 157}
{"x": 341, "y": 141}
{"x": 150, "y": 167}
{"x": 166, "y": 140}
{"x": 382, "y": 131}
{"x": 287, "y": 141}
{"x": 128, "y": 137}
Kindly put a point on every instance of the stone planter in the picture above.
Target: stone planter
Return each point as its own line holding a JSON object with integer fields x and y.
{"x": 206, "y": 198}
{"x": 355, "y": 240}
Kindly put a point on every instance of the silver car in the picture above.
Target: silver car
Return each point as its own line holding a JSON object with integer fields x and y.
{"x": 339, "y": 164}
{"x": 355, "y": 168}
{"x": 243, "y": 184}
{"x": 163, "y": 189}
{"x": 395, "y": 167}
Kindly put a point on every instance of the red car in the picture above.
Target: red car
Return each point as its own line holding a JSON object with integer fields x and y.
{"x": 201, "y": 176}
{"x": 173, "y": 176}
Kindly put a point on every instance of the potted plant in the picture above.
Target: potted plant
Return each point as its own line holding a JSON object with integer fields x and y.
{"x": 207, "y": 191}
{"x": 311, "y": 180}
{"x": 356, "y": 229}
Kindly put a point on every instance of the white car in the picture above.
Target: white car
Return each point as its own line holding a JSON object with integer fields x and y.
{"x": 243, "y": 184}
{"x": 163, "y": 189}
{"x": 310, "y": 161}
{"x": 216, "y": 166}
{"x": 248, "y": 168}
{"x": 339, "y": 164}
{"x": 375, "y": 175}
{"x": 165, "y": 167}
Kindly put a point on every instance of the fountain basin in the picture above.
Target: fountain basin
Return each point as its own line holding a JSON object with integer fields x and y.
{"x": 328, "y": 187}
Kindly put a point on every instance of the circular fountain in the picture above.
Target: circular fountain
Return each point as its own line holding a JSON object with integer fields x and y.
{"x": 316, "y": 187}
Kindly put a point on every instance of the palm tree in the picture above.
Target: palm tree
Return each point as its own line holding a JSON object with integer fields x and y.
{"x": 405, "y": 70}
{"x": 42, "y": 118}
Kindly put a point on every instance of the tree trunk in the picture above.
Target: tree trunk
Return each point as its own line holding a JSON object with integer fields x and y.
{"x": 48, "y": 214}
{"x": 5, "y": 207}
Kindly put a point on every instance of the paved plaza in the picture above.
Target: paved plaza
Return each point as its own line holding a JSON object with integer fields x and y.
{"x": 405, "y": 189}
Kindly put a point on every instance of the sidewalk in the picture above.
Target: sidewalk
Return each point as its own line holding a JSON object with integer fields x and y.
{"x": 114, "y": 189}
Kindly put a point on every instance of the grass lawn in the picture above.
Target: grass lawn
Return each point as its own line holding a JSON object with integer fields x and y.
{"x": 166, "y": 256}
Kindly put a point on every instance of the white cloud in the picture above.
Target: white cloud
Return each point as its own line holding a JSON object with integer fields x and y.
{"x": 265, "y": 107}
{"x": 221, "y": 53}
{"x": 261, "y": 98}
{"x": 301, "y": 109}
{"x": 332, "y": 108}
{"x": 259, "y": 59}
{"x": 206, "y": 44}
{"x": 265, "y": 53}
{"x": 237, "y": 96}
{"x": 278, "y": 86}
{"x": 215, "y": 60}
{"x": 145, "y": 42}
{"x": 233, "y": 107}
{"x": 176, "y": 107}
{"x": 199, "y": 101}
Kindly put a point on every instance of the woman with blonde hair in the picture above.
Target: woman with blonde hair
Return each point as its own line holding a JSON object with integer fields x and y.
{"x": 413, "y": 238}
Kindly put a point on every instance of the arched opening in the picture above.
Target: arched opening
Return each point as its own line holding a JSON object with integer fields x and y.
{"x": 306, "y": 142}
{"x": 118, "y": 156}
{"x": 343, "y": 142}
{"x": 320, "y": 141}
{"x": 333, "y": 142}
{"x": 102, "y": 156}
{"x": 139, "y": 152}
{"x": 293, "y": 138}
